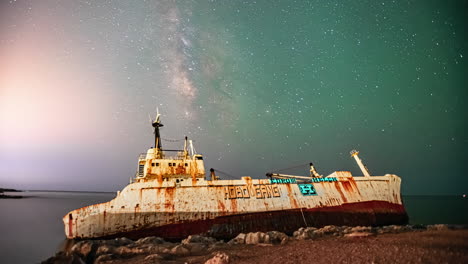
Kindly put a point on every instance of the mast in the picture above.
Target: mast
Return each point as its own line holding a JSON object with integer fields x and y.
{"x": 354, "y": 153}
{"x": 157, "y": 137}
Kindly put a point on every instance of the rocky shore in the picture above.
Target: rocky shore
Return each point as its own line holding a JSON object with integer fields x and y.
{"x": 329, "y": 244}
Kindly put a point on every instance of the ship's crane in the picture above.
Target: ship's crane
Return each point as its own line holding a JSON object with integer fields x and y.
{"x": 313, "y": 174}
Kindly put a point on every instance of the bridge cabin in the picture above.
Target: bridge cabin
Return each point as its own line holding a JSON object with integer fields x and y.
{"x": 165, "y": 165}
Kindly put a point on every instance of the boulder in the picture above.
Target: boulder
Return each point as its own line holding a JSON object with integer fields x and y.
{"x": 198, "y": 239}
{"x": 84, "y": 249}
{"x": 218, "y": 258}
{"x": 197, "y": 248}
{"x": 123, "y": 241}
{"x": 153, "y": 258}
{"x": 103, "y": 259}
{"x": 419, "y": 227}
{"x": 346, "y": 229}
{"x": 275, "y": 237}
{"x": 304, "y": 233}
{"x": 361, "y": 229}
{"x": 239, "y": 239}
{"x": 180, "y": 250}
{"x": 150, "y": 240}
{"x": 105, "y": 249}
{"x": 438, "y": 227}
{"x": 329, "y": 229}
{"x": 298, "y": 232}
{"x": 256, "y": 238}
{"x": 128, "y": 251}
{"x": 394, "y": 229}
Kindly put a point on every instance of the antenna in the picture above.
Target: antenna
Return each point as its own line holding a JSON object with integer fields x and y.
{"x": 157, "y": 115}
{"x": 192, "y": 149}
{"x": 156, "y": 123}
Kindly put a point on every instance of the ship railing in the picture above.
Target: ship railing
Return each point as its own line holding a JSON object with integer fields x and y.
{"x": 174, "y": 154}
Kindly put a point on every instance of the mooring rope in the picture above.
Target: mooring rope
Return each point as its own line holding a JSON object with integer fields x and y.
{"x": 303, "y": 217}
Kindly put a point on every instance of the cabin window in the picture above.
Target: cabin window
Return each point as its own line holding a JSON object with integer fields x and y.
{"x": 186, "y": 164}
{"x": 152, "y": 164}
{"x": 157, "y": 164}
{"x": 173, "y": 164}
{"x": 199, "y": 158}
{"x": 170, "y": 164}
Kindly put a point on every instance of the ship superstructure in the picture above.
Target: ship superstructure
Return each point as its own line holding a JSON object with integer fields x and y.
{"x": 171, "y": 197}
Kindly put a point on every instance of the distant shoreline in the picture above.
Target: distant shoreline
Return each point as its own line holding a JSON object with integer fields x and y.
{"x": 14, "y": 196}
{"x": 7, "y": 196}
{"x": 68, "y": 191}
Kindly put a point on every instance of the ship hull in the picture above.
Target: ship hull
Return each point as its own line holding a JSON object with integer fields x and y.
{"x": 223, "y": 209}
{"x": 370, "y": 213}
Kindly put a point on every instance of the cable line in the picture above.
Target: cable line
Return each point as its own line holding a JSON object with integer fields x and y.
{"x": 226, "y": 174}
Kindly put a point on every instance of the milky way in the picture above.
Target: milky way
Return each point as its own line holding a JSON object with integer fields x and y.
{"x": 259, "y": 86}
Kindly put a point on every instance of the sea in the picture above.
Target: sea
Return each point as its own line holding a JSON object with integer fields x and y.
{"x": 31, "y": 228}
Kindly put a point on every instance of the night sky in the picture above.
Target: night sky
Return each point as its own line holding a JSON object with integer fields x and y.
{"x": 258, "y": 85}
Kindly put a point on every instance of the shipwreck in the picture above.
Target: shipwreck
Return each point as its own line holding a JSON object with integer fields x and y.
{"x": 171, "y": 197}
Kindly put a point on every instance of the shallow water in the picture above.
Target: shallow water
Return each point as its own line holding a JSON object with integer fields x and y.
{"x": 31, "y": 229}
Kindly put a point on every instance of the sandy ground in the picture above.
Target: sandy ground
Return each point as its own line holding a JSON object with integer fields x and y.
{"x": 447, "y": 246}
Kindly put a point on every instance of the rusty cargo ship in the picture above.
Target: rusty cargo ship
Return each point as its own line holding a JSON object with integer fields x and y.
{"x": 171, "y": 197}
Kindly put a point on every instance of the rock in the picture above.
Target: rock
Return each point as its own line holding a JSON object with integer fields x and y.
{"x": 256, "y": 238}
{"x": 105, "y": 249}
{"x": 438, "y": 227}
{"x": 123, "y": 241}
{"x": 284, "y": 241}
{"x": 154, "y": 249}
{"x": 298, "y": 232}
{"x": 346, "y": 230}
{"x": 128, "y": 251}
{"x": 198, "y": 239}
{"x": 361, "y": 229}
{"x": 239, "y": 239}
{"x": 419, "y": 227}
{"x": 359, "y": 234}
{"x": 84, "y": 249}
{"x": 153, "y": 258}
{"x": 165, "y": 251}
{"x": 275, "y": 237}
{"x": 252, "y": 238}
{"x": 180, "y": 250}
{"x": 329, "y": 229}
{"x": 219, "y": 258}
{"x": 103, "y": 258}
{"x": 150, "y": 240}
{"x": 305, "y": 233}
{"x": 394, "y": 229}
{"x": 197, "y": 248}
